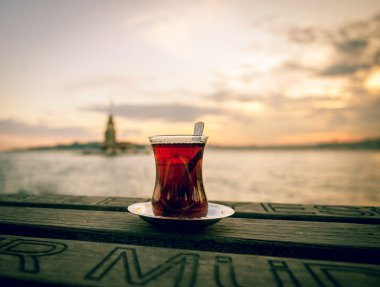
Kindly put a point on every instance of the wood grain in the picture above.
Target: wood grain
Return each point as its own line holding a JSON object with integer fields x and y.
{"x": 31, "y": 261}
{"x": 318, "y": 240}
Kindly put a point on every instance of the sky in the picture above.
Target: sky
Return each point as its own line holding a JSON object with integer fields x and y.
{"x": 256, "y": 72}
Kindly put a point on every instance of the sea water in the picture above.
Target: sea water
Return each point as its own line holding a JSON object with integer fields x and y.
{"x": 344, "y": 177}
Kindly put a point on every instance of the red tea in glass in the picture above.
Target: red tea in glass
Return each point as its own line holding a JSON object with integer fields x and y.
{"x": 179, "y": 190}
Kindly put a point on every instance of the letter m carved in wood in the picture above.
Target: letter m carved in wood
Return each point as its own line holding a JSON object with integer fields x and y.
{"x": 184, "y": 275}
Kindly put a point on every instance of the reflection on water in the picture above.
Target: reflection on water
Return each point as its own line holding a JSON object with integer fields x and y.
{"x": 327, "y": 177}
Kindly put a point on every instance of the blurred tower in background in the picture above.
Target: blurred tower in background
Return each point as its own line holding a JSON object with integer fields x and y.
{"x": 110, "y": 144}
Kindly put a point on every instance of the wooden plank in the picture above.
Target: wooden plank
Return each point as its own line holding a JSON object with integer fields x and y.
{"x": 30, "y": 261}
{"x": 69, "y": 201}
{"x": 328, "y": 213}
{"x": 318, "y": 240}
{"x": 316, "y": 212}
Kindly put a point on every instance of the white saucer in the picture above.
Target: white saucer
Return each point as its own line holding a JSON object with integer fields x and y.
{"x": 215, "y": 213}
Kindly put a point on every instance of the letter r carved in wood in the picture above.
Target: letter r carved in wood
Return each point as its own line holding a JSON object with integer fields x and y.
{"x": 28, "y": 252}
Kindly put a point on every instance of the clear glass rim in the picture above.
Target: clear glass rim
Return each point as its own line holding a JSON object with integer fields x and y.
{"x": 173, "y": 139}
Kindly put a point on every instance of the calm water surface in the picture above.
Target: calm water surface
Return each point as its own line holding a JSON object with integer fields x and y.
{"x": 312, "y": 176}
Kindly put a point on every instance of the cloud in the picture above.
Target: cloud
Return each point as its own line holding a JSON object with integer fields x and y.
{"x": 98, "y": 82}
{"x": 316, "y": 85}
{"x": 325, "y": 65}
{"x": 167, "y": 112}
{"x": 355, "y": 46}
{"x": 344, "y": 69}
{"x": 270, "y": 100}
{"x": 371, "y": 112}
{"x": 224, "y": 95}
{"x": 352, "y": 45}
{"x": 302, "y": 35}
{"x": 14, "y": 127}
{"x": 283, "y": 114}
{"x": 295, "y": 66}
{"x": 130, "y": 132}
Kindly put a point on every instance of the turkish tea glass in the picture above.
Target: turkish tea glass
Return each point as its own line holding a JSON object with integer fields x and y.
{"x": 178, "y": 190}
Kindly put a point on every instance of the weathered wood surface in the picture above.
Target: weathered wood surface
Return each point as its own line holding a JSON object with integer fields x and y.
{"x": 300, "y": 239}
{"x": 328, "y": 213}
{"x": 58, "y": 240}
{"x": 34, "y": 261}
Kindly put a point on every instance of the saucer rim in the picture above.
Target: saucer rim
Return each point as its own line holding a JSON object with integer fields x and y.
{"x": 184, "y": 219}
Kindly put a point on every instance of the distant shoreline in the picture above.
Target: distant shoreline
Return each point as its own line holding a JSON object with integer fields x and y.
{"x": 367, "y": 144}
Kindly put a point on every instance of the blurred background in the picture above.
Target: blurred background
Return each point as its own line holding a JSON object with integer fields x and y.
{"x": 289, "y": 92}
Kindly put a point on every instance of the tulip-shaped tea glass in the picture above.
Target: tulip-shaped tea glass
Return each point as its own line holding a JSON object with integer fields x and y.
{"x": 178, "y": 190}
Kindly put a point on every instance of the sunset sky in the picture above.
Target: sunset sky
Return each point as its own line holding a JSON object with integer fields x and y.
{"x": 256, "y": 72}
